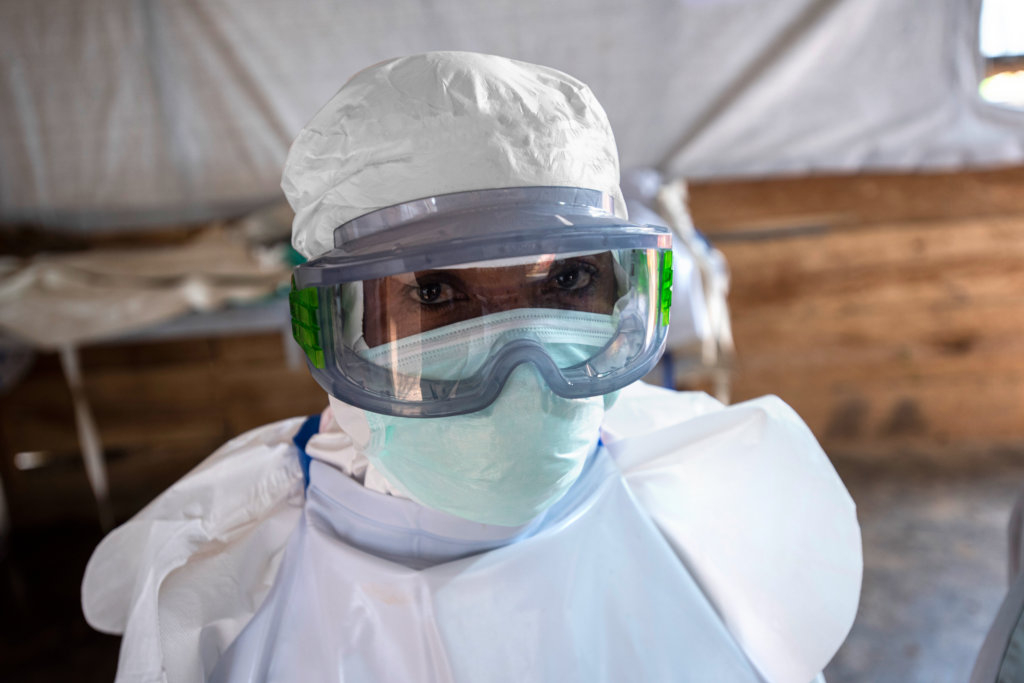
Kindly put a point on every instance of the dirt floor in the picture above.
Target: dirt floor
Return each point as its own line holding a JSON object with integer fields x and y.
{"x": 43, "y": 636}
{"x": 935, "y": 558}
{"x": 935, "y": 555}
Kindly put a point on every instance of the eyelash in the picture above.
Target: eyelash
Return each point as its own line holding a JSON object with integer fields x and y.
{"x": 415, "y": 293}
{"x": 589, "y": 269}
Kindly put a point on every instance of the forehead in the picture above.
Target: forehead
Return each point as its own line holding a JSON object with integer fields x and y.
{"x": 478, "y": 278}
{"x": 510, "y": 269}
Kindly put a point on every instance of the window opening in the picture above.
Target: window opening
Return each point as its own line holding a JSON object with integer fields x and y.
{"x": 1001, "y": 39}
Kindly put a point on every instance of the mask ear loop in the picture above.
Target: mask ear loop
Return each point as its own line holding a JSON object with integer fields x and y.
{"x": 352, "y": 316}
{"x": 621, "y": 277}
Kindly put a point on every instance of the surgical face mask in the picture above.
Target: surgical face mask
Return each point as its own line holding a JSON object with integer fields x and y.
{"x": 504, "y": 464}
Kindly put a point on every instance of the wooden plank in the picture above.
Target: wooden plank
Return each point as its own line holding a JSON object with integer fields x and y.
{"x": 60, "y": 491}
{"x": 275, "y": 394}
{"x": 972, "y": 339}
{"x": 877, "y": 257}
{"x": 262, "y": 348}
{"x": 887, "y": 334}
{"x": 159, "y": 411}
{"x": 724, "y": 207}
{"x": 967, "y": 410}
{"x": 177, "y": 352}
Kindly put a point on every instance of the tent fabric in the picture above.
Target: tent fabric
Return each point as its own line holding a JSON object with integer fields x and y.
{"x": 58, "y": 300}
{"x": 125, "y": 112}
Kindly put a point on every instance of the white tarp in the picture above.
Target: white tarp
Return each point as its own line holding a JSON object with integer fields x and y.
{"x": 57, "y": 300}
{"x": 120, "y": 112}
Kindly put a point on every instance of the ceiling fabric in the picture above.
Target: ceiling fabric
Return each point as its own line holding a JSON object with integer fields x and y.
{"x": 122, "y": 113}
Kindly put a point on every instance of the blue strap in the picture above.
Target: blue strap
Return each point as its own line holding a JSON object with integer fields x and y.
{"x": 310, "y": 427}
{"x": 668, "y": 371}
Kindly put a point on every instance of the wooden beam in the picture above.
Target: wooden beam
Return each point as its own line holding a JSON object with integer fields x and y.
{"x": 727, "y": 209}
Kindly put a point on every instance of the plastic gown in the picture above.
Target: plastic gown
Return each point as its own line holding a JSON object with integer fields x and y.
{"x": 701, "y": 543}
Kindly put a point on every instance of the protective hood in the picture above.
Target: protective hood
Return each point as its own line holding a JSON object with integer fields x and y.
{"x": 438, "y": 123}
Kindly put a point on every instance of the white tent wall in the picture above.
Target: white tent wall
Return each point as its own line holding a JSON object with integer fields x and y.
{"x": 127, "y": 112}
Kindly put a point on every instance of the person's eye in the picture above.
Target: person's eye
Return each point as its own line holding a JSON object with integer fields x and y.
{"x": 433, "y": 293}
{"x": 574, "y": 276}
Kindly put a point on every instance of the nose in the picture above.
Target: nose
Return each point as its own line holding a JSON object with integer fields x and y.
{"x": 504, "y": 298}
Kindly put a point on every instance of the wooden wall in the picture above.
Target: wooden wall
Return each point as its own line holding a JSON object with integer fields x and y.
{"x": 160, "y": 409}
{"x": 887, "y": 309}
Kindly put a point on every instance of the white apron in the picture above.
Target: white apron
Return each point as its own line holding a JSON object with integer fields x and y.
{"x": 702, "y": 544}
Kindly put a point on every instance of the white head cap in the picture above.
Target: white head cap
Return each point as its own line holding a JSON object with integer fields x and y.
{"x": 438, "y": 123}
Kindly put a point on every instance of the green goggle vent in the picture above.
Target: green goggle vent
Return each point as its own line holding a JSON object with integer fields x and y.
{"x": 666, "y": 286}
{"x": 303, "y": 304}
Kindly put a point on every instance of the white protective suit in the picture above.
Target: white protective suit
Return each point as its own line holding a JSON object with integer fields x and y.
{"x": 700, "y": 543}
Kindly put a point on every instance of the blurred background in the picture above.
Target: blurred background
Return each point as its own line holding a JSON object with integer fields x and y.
{"x": 855, "y": 169}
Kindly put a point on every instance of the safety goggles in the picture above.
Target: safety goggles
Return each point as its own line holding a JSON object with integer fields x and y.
{"x": 424, "y": 309}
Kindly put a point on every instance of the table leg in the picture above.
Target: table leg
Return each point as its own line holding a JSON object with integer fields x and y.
{"x": 88, "y": 436}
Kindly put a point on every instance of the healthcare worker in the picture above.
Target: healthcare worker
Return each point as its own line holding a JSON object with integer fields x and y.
{"x": 491, "y": 496}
